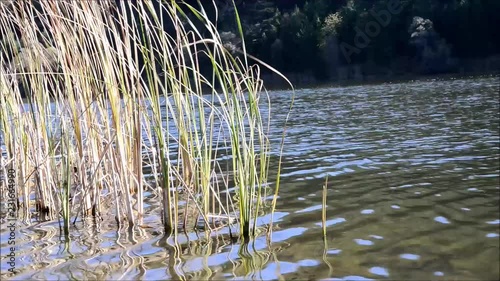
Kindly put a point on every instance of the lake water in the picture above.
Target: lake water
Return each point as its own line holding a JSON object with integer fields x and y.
{"x": 413, "y": 192}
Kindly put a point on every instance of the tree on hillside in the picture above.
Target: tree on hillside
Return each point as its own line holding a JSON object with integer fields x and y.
{"x": 433, "y": 54}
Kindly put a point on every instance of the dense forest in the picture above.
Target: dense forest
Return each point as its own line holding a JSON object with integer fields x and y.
{"x": 312, "y": 41}
{"x": 359, "y": 39}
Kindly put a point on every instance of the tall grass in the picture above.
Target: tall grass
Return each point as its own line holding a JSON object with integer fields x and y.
{"x": 323, "y": 207}
{"x": 113, "y": 87}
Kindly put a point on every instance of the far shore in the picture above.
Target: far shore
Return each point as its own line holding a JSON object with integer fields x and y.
{"x": 275, "y": 86}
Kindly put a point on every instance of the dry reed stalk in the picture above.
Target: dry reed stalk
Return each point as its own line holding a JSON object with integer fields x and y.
{"x": 98, "y": 100}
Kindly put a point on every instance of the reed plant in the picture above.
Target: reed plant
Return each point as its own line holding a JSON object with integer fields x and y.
{"x": 324, "y": 206}
{"x": 92, "y": 92}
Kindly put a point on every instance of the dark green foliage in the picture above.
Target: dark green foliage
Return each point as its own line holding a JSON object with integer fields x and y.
{"x": 302, "y": 36}
{"x": 306, "y": 36}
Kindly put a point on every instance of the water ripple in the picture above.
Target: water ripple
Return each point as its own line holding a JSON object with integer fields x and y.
{"x": 413, "y": 172}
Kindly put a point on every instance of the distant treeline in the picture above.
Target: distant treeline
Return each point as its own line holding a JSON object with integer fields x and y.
{"x": 328, "y": 39}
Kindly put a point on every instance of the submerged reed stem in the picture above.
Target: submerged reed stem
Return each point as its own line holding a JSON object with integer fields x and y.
{"x": 323, "y": 205}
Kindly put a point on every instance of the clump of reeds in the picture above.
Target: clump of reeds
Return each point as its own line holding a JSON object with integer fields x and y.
{"x": 111, "y": 87}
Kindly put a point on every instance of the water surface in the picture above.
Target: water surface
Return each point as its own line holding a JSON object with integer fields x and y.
{"x": 413, "y": 192}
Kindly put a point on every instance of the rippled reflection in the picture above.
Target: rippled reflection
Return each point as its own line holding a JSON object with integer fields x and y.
{"x": 413, "y": 173}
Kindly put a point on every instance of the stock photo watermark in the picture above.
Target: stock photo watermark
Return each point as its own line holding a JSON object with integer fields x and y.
{"x": 10, "y": 255}
{"x": 372, "y": 29}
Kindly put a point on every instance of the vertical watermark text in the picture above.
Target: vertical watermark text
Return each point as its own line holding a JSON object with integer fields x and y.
{"x": 11, "y": 220}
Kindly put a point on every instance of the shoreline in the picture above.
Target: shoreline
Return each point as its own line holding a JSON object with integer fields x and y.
{"x": 408, "y": 78}
{"x": 367, "y": 74}
{"x": 411, "y": 78}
